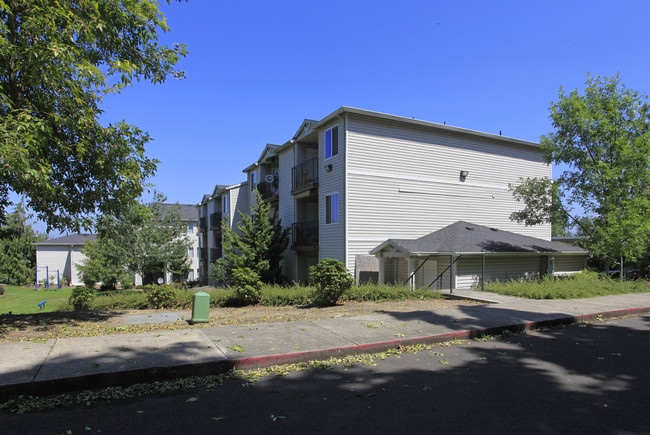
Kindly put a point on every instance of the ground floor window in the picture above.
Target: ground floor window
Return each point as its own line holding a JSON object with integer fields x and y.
{"x": 332, "y": 208}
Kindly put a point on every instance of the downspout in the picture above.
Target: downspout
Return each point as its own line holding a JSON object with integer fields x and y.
{"x": 483, "y": 272}
{"x": 451, "y": 274}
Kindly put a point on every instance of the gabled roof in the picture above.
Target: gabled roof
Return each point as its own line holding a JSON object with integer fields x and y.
{"x": 218, "y": 188}
{"x": 269, "y": 151}
{"x": 189, "y": 212}
{"x": 205, "y": 199}
{"x": 468, "y": 238}
{"x": 306, "y": 127}
{"x": 70, "y": 240}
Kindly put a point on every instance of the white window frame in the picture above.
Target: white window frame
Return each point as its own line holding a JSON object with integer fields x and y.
{"x": 329, "y": 149}
{"x": 330, "y": 216}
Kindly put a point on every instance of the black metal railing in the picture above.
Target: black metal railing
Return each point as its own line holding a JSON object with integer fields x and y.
{"x": 268, "y": 191}
{"x": 304, "y": 176}
{"x": 304, "y": 234}
{"x": 202, "y": 224}
{"x": 203, "y": 254}
{"x": 215, "y": 221}
{"x": 215, "y": 253}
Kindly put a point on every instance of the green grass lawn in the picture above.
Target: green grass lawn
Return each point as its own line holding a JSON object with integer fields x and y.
{"x": 580, "y": 285}
{"x": 25, "y": 300}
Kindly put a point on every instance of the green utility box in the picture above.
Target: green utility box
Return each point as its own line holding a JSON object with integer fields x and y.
{"x": 200, "y": 307}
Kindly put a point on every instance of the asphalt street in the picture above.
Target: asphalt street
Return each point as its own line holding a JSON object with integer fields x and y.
{"x": 582, "y": 379}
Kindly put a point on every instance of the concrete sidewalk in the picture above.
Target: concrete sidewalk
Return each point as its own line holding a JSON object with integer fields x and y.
{"x": 87, "y": 362}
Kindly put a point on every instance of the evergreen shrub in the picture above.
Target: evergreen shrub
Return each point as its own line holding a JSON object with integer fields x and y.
{"x": 331, "y": 279}
{"x": 248, "y": 287}
{"x": 161, "y": 296}
{"x": 82, "y": 298}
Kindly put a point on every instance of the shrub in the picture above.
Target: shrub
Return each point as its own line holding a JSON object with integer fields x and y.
{"x": 331, "y": 279}
{"x": 277, "y": 296}
{"x": 387, "y": 292}
{"x": 160, "y": 296}
{"x": 82, "y": 298}
{"x": 248, "y": 287}
{"x": 2, "y": 290}
{"x": 193, "y": 283}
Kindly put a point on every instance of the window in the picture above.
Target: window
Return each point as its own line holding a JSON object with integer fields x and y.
{"x": 253, "y": 180}
{"x": 331, "y": 142}
{"x": 190, "y": 252}
{"x": 190, "y": 227}
{"x": 190, "y": 275}
{"x": 332, "y": 208}
{"x": 224, "y": 202}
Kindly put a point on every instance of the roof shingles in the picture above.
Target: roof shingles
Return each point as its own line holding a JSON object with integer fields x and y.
{"x": 465, "y": 237}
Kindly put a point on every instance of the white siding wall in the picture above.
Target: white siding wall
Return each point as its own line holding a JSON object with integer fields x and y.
{"x": 286, "y": 207}
{"x": 194, "y": 238}
{"x": 331, "y": 238}
{"x": 238, "y": 202}
{"x": 568, "y": 264}
{"x": 76, "y": 258}
{"x": 53, "y": 257}
{"x": 404, "y": 182}
{"x": 62, "y": 257}
{"x": 502, "y": 268}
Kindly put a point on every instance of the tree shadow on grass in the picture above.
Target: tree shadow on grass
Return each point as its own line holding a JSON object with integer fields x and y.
{"x": 41, "y": 322}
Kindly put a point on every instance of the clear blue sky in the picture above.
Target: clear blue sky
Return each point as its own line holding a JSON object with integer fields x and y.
{"x": 257, "y": 69}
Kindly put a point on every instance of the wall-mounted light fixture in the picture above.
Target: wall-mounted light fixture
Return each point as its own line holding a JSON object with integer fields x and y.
{"x": 464, "y": 174}
{"x": 328, "y": 168}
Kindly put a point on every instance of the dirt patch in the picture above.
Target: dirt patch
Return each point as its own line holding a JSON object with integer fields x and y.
{"x": 44, "y": 326}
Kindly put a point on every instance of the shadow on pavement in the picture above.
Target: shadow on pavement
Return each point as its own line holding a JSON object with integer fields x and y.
{"x": 590, "y": 379}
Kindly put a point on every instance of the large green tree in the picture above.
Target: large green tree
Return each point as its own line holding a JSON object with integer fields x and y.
{"x": 58, "y": 59}
{"x": 602, "y": 136}
{"x": 17, "y": 238}
{"x": 258, "y": 244}
{"x": 104, "y": 263}
{"x": 146, "y": 239}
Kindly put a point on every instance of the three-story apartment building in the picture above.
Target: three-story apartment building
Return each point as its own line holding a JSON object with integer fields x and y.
{"x": 352, "y": 180}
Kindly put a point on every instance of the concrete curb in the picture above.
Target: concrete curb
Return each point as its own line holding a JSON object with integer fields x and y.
{"x": 128, "y": 377}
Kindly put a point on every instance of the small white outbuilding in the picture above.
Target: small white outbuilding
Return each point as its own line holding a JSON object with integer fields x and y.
{"x": 61, "y": 255}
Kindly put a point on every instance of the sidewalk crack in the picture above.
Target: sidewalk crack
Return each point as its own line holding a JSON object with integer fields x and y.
{"x": 56, "y": 340}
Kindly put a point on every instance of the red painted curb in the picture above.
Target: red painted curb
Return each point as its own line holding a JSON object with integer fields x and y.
{"x": 221, "y": 366}
{"x": 297, "y": 357}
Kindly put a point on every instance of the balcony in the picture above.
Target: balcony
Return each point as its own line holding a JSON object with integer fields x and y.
{"x": 215, "y": 253}
{"x": 304, "y": 235}
{"x": 268, "y": 191}
{"x": 203, "y": 252}
{"x": 304, "y": 177}
{"x": 215, "y": 221}
{"x": 202, "y": 226}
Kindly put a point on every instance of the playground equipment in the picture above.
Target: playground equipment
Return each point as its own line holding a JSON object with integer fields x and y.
{"x": 47, "y": 277}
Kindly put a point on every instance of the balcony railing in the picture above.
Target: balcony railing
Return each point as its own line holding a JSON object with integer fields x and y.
{"x": 202, "y": 225}
{"x": 304, "y": 176}
{"x": 215, "y": 253}
{"x": 215, "y": 221}
{"x": 305, "y": 234}
{"x": 204, "y": 254}
{"x": 268, "y": 191}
